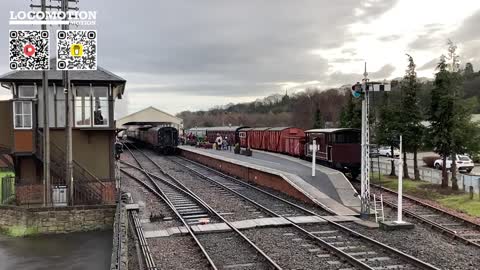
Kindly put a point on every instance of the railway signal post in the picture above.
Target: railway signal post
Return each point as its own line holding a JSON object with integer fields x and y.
{"x": 399, "y": 223}
{"x": 362, "y": 91}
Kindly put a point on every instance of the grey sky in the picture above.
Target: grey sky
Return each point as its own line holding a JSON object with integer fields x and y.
{"x": 181, "y": 54}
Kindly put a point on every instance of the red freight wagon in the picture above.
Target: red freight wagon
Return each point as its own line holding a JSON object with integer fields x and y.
{"x": 292, "y": 141}
{"x": 257, "y": 137}
{"x": 286, "y": 140}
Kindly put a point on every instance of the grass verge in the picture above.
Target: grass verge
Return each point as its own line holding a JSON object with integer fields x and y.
{"x": 456, "y": 200}
{"x": 18, "y": 231}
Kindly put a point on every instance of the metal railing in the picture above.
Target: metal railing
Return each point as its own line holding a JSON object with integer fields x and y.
{"x": 88, "y": 189}
{"x": 431, "y": 175}
{"x": 7, "y": 189}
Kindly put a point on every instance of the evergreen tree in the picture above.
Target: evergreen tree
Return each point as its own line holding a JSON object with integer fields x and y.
{"x": 318, "y": 120}
{"x": 410, "y": 117}
{"x": 441, "y": 116}
{"x": 351, "y": 115}
{"x": 388, "y": 128}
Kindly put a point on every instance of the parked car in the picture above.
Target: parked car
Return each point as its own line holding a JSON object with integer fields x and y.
{"x": 374, "y": 151}
{"x": 464, "y": 163}
{"x": 387, "y": 152}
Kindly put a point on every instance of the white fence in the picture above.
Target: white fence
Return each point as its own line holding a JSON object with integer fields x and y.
{"x": 432, "y": 175}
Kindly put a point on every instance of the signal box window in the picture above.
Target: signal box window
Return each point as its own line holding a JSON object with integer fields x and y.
{"x": 100, "y": 106}
{"x": 22, "y": 114}
{"x": 83, "y": 114}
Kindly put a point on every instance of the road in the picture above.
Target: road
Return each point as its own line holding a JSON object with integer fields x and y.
{"x": 476, "y": 170}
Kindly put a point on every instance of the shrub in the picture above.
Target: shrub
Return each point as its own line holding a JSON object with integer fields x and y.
{"x": 429, "y": 160}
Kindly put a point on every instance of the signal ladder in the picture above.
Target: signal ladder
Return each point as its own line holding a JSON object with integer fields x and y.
{"x": 378, "y": 208}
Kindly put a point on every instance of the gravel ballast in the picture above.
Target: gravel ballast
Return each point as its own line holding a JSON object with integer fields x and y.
{"x": 229, "y": 205}
{"x": 177, "y": 252}
{"x": 149, "y": 204}
{"x": 276, "y": 205}
{"x": 229, "y": 250}
{"x": 425, "y": 244}
{"x": 291, "y": 249}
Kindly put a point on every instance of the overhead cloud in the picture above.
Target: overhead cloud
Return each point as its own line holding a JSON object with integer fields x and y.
{"x": 389, "y": 38}
{"x": 430, "y": 64}
{"x": 237, "y": 49}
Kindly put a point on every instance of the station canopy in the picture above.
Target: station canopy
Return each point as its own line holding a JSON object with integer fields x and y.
{"x": 149, "y": 116}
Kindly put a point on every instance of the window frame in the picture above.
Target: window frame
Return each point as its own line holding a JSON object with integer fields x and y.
{"x": 106, "y": 99}
{"x": 30, "y": 103}
{"x": 75, "y": 107}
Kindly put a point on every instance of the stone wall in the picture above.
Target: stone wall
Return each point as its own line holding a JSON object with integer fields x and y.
{"x": 258, "y": 177}
{"x": 23, "y": 221}
{"x": 119, "y": 258}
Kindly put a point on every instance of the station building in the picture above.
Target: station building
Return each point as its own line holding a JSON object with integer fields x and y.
{"x": 150, "y": 116}
{"x": 93, "y": 129}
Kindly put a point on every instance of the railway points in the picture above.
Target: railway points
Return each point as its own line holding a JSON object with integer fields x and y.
{"x": 283, "y": 229}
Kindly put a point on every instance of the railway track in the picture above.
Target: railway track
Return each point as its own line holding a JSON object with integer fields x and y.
{"x": 454, "y": 226}
{"x": 358, "y": 250}
{"x": 259, "y": 260}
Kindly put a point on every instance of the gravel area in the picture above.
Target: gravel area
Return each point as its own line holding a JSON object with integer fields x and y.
{"x": 291, "y": 249}
{"x": 426, "y": 244}
{"x": 177, "y": 252}
{"x": 229, "y": 205}
{"x": 229, "y": 250}
{"x": 150, "y": 204}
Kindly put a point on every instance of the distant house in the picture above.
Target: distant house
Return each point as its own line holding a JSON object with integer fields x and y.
{"x": 150, "y": 116}
{"x": 93, "y": 130}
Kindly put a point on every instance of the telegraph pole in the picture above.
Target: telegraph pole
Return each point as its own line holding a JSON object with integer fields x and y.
{"x": 68, "y": 120}
{"x": 47, "y": 194}
{"x": 46, "y": 130}
{"x": 365, "y": 164}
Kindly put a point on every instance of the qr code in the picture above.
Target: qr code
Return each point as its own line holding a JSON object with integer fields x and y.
{"x": 29, "y": 49}
{"x": 76, "y": 50}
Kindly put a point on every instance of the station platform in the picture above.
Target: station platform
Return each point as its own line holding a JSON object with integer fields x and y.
{"x": 329, "y": 188}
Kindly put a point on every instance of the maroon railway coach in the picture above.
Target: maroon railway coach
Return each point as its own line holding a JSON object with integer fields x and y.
{"x": 231, "y": 132}
{"x": 340, "y": 148}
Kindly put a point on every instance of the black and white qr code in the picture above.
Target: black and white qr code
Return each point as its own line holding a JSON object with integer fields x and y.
{"x": 29, "y": 49}
{"x": 76, "y": 49}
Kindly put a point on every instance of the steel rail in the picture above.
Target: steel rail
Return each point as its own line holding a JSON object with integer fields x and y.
{"x": 194, "y": 196}
{"x": 433, "y": 224}
{"x": 147, "y": 255}
{"x": 342, "y": 254}
{"x": 159, "y": 193}
{"x": 407, "y": 257}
